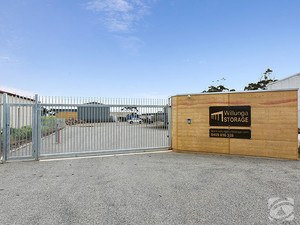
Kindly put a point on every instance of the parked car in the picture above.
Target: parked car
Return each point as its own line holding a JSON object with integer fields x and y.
{"x": 134, "y": 120}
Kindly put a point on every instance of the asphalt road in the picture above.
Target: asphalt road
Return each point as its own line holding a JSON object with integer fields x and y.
{"x": 157, "y": 188}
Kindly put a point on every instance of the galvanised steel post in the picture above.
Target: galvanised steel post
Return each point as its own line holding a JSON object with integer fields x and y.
{"x": 6, "y": 128}
{"x": 36, "y": 129}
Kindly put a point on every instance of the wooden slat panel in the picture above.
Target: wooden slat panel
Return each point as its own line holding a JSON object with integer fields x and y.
{"x": 274, "y": 124}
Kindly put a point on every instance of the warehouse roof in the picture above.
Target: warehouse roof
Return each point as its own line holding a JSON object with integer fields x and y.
{"x": 15, "y": 95}
{"x": 295, "y": 75}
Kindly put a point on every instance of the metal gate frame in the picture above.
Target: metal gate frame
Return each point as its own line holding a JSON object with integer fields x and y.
{"x": 36, "y": 131}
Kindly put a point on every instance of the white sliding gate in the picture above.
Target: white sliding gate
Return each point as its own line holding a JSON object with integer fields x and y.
{"x": 47, "y": 127}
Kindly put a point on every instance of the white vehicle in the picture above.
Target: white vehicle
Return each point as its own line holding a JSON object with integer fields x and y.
{"x": 135, "y": 120}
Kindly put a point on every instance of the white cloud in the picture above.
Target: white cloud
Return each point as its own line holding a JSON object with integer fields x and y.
{"x": 120, "y": 15}
{"x": 17, "y": 91}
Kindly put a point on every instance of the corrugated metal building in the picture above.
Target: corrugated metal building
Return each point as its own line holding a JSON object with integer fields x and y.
{"x": 93, "y": 112}
{"x": 286, "y": 83}
{"x": 19, "y": 115}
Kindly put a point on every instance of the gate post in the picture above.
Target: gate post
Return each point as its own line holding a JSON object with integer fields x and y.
{"x": 169, "y": 123}
{"x": 36, "y": 128}
{"x": 6, "y": 128}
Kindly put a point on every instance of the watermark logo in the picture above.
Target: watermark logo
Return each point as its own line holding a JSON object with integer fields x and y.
{"x": 281, "y": 209}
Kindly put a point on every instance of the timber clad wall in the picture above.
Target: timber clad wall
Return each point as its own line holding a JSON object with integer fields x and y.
{"x": 274, "y": 124}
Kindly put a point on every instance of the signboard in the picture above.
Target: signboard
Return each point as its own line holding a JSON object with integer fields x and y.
{"x": 230, "y": 133}
{"x": 230, "y": 116}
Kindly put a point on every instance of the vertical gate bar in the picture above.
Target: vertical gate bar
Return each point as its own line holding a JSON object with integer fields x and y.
{"x": 48, "y": 122}
{"x": 95, "y": 120}
{"x": 66, "y": 128}
{"x": 125, "y": 128}
{"x": 105, "y": 130}
{"x": 69, "y": 108}
{"x": 1, "y": 110}
{"x": 92, "y": 124}
{"x": 101, "y": 125}
{"x": 34, "y": 129}
{"x": 136, "y": 126}
{"x": 5, "y": 128}
{"x": 85, "y": 113}
{"x": 72, "y": 149}
{"x": 169, "y": 123}
{"x": 115, "y": 128}
{"x": 112, "y": 126}
{"x": 130, "y": 129}
{"x": 42, "y": 124}
{"x": 89, "y": 127}
{"x": 120, "y": 125}
{"x": 156, "y": 123}
{"x": 141, "y": 126}
{"x": 81, "y": 124}
{"x": 76, "y": 122}
{"x": 38, "y": 129}
{"x": 23, "y": 125}
{"x": 14, "y": 128}
{"x": 133, "y": 124}
{"x": 109, "y": 128}
{"x": 49, "y": 127}
{"x": 75, "y": 126}
{"x": 96, "y": 125}
{"x": 52, "y": 125}
{"x": 84, "y": 126}
{"x": 19, "y": 121}
{"x": 27, "y": 112}
{"x": 17, "y": 130}
{"x": 156, "y": 111}
{"x": 149, "y": 117}
{"x": 19, "y": 125}
{"x": 70, "y": 126}
{"x": 99, "y": 128}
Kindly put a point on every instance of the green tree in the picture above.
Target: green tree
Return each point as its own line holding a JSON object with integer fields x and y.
{"x": 262, "y": 83}
{"x": 218, "y": 88}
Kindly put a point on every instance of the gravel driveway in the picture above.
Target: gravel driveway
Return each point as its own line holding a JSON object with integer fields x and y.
{"x": 147, "y": 188}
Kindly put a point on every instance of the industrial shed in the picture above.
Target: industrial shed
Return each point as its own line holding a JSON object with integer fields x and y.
{"x": 93, "y": 112}
{"x": 288, "y": 83}
{"x": 19, "y": 115}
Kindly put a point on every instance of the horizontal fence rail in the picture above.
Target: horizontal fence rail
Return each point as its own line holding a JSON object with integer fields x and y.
{"x": 43, "y": 127}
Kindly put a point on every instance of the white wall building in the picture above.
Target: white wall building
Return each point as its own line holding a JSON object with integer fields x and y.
{"x": 19, "y": 115}
{"x": 286, "y": 83}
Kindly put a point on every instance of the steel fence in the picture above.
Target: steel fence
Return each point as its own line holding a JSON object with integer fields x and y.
{"x": 44, "y": 127}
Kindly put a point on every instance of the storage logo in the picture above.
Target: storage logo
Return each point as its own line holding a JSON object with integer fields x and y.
{"x": 217, "y": 116}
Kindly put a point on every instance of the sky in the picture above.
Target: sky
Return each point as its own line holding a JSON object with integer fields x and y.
{"x": 144, "y": 48}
